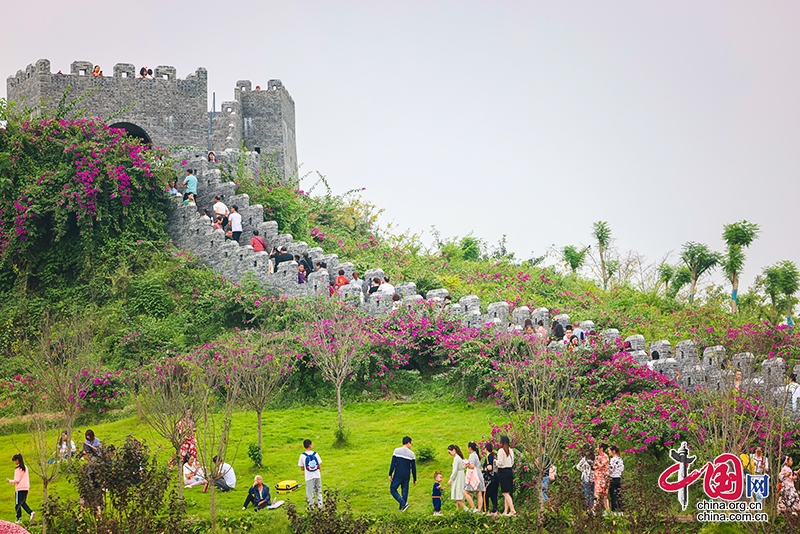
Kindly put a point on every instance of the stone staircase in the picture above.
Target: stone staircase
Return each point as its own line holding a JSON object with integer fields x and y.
{"x": 192, "y": 231}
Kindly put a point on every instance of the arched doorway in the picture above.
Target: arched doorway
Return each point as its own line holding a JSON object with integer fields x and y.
{"x": 133, "y": 131}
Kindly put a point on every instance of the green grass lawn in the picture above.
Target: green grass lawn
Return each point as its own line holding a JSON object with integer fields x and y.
{"x": 359, "y": 472}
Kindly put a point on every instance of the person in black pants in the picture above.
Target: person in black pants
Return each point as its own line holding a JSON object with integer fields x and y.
{"x": 489, "y": 478}
{"x": 401, "y": 470}
{"x": 615, "y": 468}
{"x": 22, "y": 483}
{"x": 258, "y": 494}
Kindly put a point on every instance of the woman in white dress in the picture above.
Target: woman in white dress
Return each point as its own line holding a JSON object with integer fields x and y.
{"x": 457, "y": 477}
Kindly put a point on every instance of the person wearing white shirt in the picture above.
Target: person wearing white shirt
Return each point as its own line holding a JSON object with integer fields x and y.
{"x": 793, "y": 389}
{"x": 387, "y": 288}
{"x": 236, "y": 223}
{"x": 221, "y": 209}
{"x": 615, "y": 468}
{"x": 226, "y": 477}
{"x": 310, "y": 464}
{"x": 505, "y": 474}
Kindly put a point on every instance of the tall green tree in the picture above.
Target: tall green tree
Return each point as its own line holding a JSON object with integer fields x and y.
{"x": 781, "y": 282}
{"x": 665, "y": 274}
{"x": 699, "y": 259}
{"x": 574, "y": 257}
{"x": 680, "y": 277}
{"x": 602, "y": 234}
{"x": 738, "y": 236}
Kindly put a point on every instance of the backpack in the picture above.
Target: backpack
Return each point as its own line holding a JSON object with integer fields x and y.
{"x": 311, "y": 461}
{"x": 552, "y": 472}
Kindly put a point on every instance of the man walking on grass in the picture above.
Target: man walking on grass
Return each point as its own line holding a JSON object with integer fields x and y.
{"x": 403, "y": 467}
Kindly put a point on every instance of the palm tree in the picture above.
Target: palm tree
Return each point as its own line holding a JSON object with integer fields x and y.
{"x": 699, "y": 259}
{"x": 602, "y": 233}
{"x": 574, "y": 257}
{"x": 781, "y": 282}
{"x": 737, "y": 236}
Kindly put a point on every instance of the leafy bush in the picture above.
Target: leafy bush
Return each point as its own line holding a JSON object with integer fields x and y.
{"x": 255, "y": 454}
{"x": 426, "y": 453}
{"x": 335, "y": 517}
{"x": 120, "y": 494}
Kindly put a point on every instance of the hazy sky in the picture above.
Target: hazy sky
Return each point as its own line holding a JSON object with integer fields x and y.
{"x": 531, "y": 119}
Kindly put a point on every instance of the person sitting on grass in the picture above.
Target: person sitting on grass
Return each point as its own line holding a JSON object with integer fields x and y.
{"x": 225, "y": 478}
{"x": 91, "y": 444}
{"x": 258, "y": 494}
{"x": 192, "y": 472}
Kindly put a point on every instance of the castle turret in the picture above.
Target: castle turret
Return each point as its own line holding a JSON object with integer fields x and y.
{"x": 169, "y": 111}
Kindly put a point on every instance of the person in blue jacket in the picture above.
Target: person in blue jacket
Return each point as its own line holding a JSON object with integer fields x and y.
{"x": 403, "y": 467}
{"x": 258, "y": 494}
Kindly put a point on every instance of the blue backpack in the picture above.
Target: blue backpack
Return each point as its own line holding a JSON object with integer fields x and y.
{"x": 312, "y": 464}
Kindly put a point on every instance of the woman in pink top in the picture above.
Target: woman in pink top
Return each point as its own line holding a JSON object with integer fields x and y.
{"x": 22, "y": 483}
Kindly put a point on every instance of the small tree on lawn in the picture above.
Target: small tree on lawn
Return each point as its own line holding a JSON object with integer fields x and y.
{"x": 337, "y": 342}
{"x": 540, "y": 388}
{"x": 737, "y": 236}
{"x": 265, "y": 362}
{"x": 164, "y": 398}
{"x": 216, "y": 386}
{"x": 63, "y": 368}
{"x": 781, "y": 282}
{"x": 699, "y": 259}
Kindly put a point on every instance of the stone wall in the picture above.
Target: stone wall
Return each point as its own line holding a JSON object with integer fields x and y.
{"x": 192, "y": 231}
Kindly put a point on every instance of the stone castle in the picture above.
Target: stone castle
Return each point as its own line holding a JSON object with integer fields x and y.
{"x": 171, "y": 112}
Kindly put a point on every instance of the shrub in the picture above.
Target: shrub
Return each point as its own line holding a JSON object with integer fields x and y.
{"x": 426, "y": 453}
{"x": 335, "y": 517}
{"x": 124, "y": 493}
{"x": 255, "y": 454}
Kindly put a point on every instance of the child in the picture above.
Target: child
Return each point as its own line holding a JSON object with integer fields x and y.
{"x": 436, "y": 494}
{"x": 22, "y": 484}
{"x": 310, "y": 463}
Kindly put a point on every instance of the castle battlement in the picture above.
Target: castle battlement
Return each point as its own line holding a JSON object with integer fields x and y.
{"x": 169, "y": 111}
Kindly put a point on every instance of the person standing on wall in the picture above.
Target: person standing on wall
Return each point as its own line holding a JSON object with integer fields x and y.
{"x": 236, "y": 223}
{"x": 22, "y": 484}
{"x": 221, "y": 209}
{"x": 402, "y": 468}
{"x": 191, "y": 184}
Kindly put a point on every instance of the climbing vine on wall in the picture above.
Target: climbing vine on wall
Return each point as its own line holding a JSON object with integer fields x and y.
{"x": 73, "y": 188}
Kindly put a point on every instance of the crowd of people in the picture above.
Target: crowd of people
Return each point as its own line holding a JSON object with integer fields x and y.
{"x": 229, "y": 220}
{"x": 601, "y": 477}
{"x": 479, "y": 477}
{"x": 472, "y": 479}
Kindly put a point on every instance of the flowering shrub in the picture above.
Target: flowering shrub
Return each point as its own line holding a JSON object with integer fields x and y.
{"x": 77, "y": 187}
